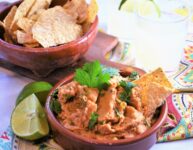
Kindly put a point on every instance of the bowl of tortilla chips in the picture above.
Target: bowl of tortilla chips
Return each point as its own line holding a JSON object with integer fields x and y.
{"x": 42, "y": 35}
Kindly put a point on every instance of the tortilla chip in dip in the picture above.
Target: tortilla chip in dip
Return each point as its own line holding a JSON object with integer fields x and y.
{"x": 155, "y": 88}
{"x": 157, "y": 76}
{"x": 55, "y": 27}
{"x": 153, "y": 95}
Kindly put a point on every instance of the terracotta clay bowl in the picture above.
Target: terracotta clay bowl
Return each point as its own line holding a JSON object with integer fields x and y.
{"x": 42, "y": 61}
{"x": 71, "y": 141}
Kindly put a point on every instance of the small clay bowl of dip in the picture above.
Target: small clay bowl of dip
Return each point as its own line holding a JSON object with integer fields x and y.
{"x": 72, "y": 141}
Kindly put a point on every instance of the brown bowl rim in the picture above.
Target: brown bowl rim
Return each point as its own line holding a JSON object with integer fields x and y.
{"x": 49, "y": 49}
{"x": 74, "y": 136}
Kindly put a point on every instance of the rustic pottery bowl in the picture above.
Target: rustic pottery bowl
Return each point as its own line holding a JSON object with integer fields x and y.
{"x": 42, "y": 61}
{"x": 71, "y": 141}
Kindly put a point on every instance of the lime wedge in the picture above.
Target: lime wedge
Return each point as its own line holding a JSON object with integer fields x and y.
{"x": 28, "y": 120}
{"x": 148, "y": 7}
{"x": 40, "y": 89}
{"x": 182, "y": 11}
{"x": 128, "y": 5}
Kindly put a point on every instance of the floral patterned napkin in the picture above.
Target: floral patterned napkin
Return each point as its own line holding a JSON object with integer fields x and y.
{"x": 6, "y": 139}
{"x": 179, "y": 123}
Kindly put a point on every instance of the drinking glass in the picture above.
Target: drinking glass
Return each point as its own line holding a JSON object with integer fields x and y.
{"x": 160, "y": 34}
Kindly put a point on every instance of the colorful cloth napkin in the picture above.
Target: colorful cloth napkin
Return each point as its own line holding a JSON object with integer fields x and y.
{"x": 6, "y": 139}
{"x": 179, "y": 123}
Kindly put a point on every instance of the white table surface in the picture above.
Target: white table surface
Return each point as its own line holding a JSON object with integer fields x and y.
{"x": 11, "y": 84}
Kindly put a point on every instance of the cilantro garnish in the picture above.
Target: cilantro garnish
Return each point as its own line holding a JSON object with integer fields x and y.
{"x": 126, "y": 94}
{"x": 93, "y": 120}
{"x": 91, "y": 75}
{"x": 54, "y": 104}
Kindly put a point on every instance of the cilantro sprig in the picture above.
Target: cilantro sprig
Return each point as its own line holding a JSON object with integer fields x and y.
{"x": 93, "y": 120}
{"x": 91, "y": 75}
{"x": 126, "y": 94}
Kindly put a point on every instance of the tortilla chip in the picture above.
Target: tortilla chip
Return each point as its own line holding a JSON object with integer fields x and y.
{"x": 157, "y": 76}
{"x": 7, "y": 22}
{"x": 9, "y": 18}
{"x": 21, "y": 12}
{"x": 2, "y": 24}
{"x": 39, "y": 4}
{"x": 35, "y": 16}
{"x": 55, "y": 27}
{"x": 92, "y": 11}
{"x": 23, "y": 9}
{"x": 78, "y": 9}
{"x": 153, "y": 95}
{"x": 155, "y": 88}
{"x": 25, "y": 24}
{"x": 32, "y": 45}
{"x": 7, "y": 38}
{"x": 86, "y": 26}
{"x": 24, "y": 38}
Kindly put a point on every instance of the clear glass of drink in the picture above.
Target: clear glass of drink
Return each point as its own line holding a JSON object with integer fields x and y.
{"x": 160, "y": 33}
{"x": 120, "y": 23}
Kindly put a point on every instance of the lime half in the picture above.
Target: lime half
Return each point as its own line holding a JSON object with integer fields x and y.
{"x": 40, "y": 89}
{"x": 28, "y": 120}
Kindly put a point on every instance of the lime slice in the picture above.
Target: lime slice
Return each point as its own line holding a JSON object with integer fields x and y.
{"x": 128, "y": 6}
{"x": 148, "y": 7}
{"x": 40, "y": 89}
{"x": 182, "y": 11}
{"x": 28, "y": 120}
